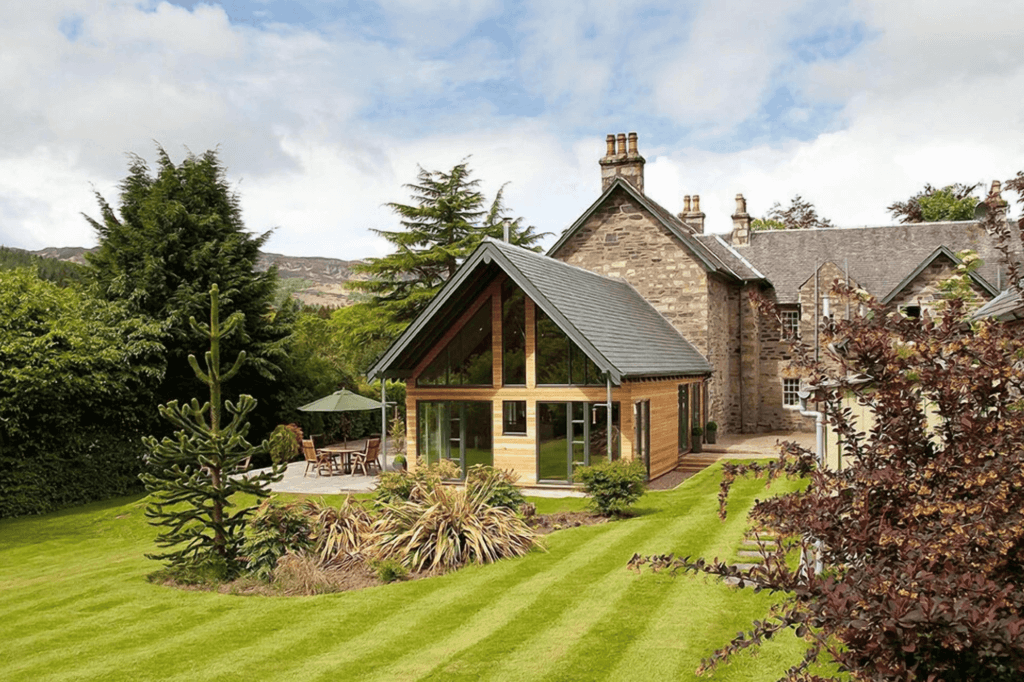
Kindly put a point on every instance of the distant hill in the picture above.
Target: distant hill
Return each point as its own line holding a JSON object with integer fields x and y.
{"x": 325, "y": 277}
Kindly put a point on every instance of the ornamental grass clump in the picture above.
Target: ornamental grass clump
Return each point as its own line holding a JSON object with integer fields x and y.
{"x": 441, "y": 528}
{"x": 613, "y": 486}
{"x": 341, "y": 534}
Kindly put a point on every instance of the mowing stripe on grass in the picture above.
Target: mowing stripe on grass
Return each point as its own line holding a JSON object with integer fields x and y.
{"x": 81, "y": 603}
{"x": 520, "y": 580}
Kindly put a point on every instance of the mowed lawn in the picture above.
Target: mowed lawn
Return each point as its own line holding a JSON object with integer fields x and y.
{"x": 75, "y": 605}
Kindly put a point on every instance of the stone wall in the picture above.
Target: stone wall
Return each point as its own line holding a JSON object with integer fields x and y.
{"x": 723, "y": 340}
{"x": 621, "y": 239}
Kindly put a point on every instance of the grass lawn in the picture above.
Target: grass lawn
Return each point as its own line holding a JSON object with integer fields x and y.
{"x": 76, "y": 606}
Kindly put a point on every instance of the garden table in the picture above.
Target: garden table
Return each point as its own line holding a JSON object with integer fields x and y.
{"x": 345, "y": 451}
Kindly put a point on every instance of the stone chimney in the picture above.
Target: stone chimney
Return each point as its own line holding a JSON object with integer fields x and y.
{"x": 691, "y": 215}
{"x": 996, "y": 202}
{"x": 623, "y": 162}
{"x": 741, "y": 223}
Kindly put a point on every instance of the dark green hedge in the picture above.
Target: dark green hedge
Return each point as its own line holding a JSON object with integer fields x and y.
{"x": 62, "y": 470}
{"x": 76, "y": 394}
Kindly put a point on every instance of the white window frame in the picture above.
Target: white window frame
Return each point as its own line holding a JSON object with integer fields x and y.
{"x": 791, "y": 390}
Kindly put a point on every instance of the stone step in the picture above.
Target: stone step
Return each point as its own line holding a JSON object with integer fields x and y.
{"x": 747, "y": 554}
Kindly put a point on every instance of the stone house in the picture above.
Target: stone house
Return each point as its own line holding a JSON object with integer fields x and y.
{"x": 658, "y": 315}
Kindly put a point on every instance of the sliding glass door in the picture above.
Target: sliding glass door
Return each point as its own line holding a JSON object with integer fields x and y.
{"x": 458, "y": 430}
{"x": 573, "y": 434}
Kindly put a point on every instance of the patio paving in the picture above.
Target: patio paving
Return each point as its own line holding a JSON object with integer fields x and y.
{"x": 295, "y": 482}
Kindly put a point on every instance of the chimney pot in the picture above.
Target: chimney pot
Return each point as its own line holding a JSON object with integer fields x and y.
{"x": 686, "y": 204}
{"x": 696, "y": 203}
{"x": 741, "y": 223}
{"x": 622, "y": 162}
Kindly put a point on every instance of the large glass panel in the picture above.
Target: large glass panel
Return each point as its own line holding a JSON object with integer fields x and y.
{"x": 431, "y": 434}
{"x": 559, "y": 360}
{"x": 552, "y": 352}
{"x": 695, "y": 419}
{"x": 467, "y": 359}
{"x": 598, "y": 435}
{"x": 455, "y": 430}
{"x": 513, "y": 331}
{"x": 684, "y": 417}
{"x": 477, "y": 434}
{"x": 552, "y": 441}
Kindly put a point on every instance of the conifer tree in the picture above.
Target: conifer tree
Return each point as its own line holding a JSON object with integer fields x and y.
{"x": 190, "y": 480}
{"x": 445, "y": 223}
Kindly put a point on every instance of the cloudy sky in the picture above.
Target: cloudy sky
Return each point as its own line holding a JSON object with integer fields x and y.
{"x": 322, "y": 109}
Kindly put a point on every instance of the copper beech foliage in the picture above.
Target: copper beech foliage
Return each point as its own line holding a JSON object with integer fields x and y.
{"x": 920, "y": 533}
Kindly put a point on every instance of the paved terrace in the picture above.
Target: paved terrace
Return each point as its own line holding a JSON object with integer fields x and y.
{"x": 733, "y": 446}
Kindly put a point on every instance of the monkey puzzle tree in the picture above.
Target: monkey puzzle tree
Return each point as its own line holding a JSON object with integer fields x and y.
{"x": 190, "y": 478}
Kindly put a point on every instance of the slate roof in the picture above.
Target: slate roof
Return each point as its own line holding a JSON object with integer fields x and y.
{"x": 1005, "y": 307}
{"x": 615, "y": 326}
{"x": 879, "y": 258}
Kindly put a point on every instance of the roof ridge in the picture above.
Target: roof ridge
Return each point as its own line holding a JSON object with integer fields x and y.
{"x": 806, "y": 230}
{"x": 502, "y": 243}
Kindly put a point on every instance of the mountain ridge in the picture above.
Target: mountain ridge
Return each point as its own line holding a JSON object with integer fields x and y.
{"x": 326, "y": 277}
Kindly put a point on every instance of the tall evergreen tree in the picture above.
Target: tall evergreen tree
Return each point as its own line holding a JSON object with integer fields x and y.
{"x": 446, "y": 221}
{"x": 180, "y": 231}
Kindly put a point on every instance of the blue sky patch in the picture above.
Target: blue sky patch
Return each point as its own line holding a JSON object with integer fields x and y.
{"x": 71, "y": 27}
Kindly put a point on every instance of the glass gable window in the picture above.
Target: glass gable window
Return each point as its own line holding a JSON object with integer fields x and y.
{"x": 467, "y": 359}
{"x": 513, "y": 332}
{"x": 560, "y": 362}
{"x": 458, "y": 430}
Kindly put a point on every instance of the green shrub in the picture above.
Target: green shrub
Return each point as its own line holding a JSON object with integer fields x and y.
{"x": 397, "y": 486}
{"x": 389, "y": 570}
{"x": 393, "y": 486}
{"x": 613, "y": 486}
{"x": 500, "y": 482}
{"x": 285, "y": 443}
{"x": 712, "y": 427}
{"x": 444, "y": 527}
{"x": 273, "y": 531}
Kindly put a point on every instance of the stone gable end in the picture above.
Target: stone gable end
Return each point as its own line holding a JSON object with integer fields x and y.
{"x": 622, "y": 239}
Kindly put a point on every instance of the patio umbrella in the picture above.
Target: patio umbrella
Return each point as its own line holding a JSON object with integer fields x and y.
{"x": 347, "y": 401}
{"x": 342, "y": 401}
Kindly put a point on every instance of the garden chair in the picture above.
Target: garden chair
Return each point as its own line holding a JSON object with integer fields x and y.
{"x": 320, "y": 462}
{"x": 367, "y": 458}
